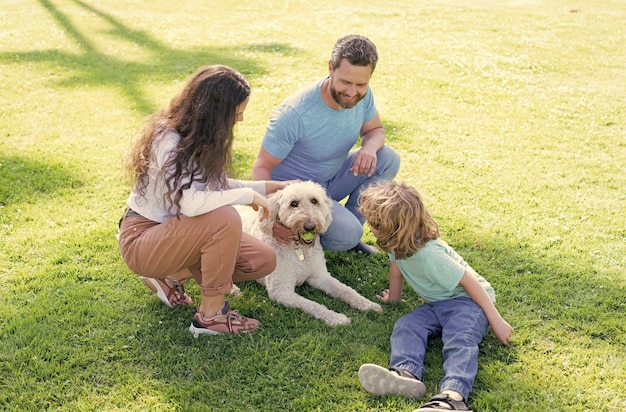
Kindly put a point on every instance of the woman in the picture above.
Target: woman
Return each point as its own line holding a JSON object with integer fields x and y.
{"x": 179, "y": 221}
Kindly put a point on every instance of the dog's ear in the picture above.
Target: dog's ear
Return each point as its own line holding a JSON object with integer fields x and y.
{"x": 328, "y": 209}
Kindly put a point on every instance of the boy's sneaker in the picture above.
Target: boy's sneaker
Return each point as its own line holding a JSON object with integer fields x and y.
{"x": 227, "y": 321}
{"x": 443, "y": 403}
{"x": 382, "y": 381}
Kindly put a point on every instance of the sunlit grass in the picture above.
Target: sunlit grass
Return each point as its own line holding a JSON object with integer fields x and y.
{"x": 510, "y": 119}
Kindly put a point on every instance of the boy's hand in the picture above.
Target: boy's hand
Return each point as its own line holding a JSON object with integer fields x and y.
{"x": 384, "y": 295}
{"x": 502, "y": 330}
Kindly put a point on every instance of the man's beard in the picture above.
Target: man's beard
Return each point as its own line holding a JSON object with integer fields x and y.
{"x": 342, "y": 100}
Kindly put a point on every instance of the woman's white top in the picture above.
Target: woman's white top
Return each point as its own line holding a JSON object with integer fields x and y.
{"x": 198, "y": 199}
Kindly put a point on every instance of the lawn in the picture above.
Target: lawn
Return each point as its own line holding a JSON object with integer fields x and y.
{"x": 510, "y": 117}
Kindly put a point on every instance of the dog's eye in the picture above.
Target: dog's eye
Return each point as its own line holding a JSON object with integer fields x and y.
{"x": 294, "y": 204}
{"x": 314, "y": 201}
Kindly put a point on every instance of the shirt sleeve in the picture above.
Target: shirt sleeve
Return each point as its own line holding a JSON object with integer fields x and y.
{"x": 442, "y": 269}
{"x": 370, "y": 108}
{"x": 256, "y": 185}
{"x": 197, "y": 202}
{"x": 282, "y": 132}
{"x": 198, "y": 199}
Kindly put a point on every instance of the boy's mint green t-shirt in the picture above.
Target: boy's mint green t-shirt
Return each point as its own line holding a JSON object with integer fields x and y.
{"x": 435, "y": 270}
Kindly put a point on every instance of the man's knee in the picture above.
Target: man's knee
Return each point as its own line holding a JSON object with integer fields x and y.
{"x": 388, "y": 162}
{"x": 343, "y": 236}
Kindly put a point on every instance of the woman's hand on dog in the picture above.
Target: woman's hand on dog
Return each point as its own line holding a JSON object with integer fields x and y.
{"x": 260, "y": 201}
{"x": 272, "y": 186}
{"x": 283, "y": 234}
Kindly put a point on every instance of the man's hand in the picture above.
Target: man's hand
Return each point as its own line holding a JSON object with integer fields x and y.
{"x": 364, "y": 162}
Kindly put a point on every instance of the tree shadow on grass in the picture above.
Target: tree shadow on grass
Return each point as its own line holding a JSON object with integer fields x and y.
{"x": 23, "y": 180}
{"x": 92, "y": 67}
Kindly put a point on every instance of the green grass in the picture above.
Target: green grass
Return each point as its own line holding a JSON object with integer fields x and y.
{"x": 510, "y": 117}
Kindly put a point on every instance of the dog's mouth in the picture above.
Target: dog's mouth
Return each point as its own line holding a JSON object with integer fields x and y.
{"x": 307, "y": 237}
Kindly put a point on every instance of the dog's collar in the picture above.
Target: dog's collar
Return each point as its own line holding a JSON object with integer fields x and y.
{"x": 298, "y": 244}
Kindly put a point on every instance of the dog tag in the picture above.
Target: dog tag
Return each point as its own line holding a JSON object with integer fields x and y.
{"x": 300, "y": 253}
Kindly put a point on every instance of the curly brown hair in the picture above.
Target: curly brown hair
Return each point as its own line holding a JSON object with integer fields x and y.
{"x": 203, "y": 115}
{"x": 396, "y": 211}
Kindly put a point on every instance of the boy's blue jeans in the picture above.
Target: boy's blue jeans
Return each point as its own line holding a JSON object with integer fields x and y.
{"x": 460, "y": 323}
{"x": 346, "y": 229}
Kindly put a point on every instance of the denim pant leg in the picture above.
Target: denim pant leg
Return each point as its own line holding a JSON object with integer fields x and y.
{"x": 410, "y": 337}
{"x": 387, "y": 167}
{"x": 346, "y": 229}
{"x": 345, "y": 183}
{"x": 344, "y": 232}
{"x": 464, "y": 326}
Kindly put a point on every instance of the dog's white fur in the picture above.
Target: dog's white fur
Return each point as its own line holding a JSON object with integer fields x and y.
{"x": 302, "y": 207}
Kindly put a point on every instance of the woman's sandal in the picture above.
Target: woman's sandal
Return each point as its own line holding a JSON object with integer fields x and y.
{"x": 173, "y": 295}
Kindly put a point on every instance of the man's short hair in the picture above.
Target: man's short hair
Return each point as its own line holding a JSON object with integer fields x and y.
{"x": 357, "y": 49}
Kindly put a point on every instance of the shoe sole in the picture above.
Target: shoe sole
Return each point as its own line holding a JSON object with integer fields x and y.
{"x": 154, "y": 286}
{"x": 201, "y": 331}
{"x": 432, "y": 409}
{"x": 381, "y": 381}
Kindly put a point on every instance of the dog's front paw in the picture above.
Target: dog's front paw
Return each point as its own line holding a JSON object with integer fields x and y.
{"x": 366, "y": 304}
{"x": 338, "y": 319}
{"x": 235, "y": 291}
{"x": 376, "y": 307}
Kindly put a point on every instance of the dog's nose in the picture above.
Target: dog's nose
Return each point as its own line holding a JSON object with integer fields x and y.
{"x": 309, "y": 226}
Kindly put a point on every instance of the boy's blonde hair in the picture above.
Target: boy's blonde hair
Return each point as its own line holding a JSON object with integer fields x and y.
{"x": 397, "y": 212}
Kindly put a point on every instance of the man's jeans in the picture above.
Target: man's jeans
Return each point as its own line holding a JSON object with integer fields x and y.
{"x": 460, "y": 323}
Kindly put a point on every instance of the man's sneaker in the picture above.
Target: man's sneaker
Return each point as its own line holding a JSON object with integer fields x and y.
{"x": 443, "y": 403}
{"x": 227, "y": 321}
{"x": 366, "y": 249}
{"x": 382, "y": 381}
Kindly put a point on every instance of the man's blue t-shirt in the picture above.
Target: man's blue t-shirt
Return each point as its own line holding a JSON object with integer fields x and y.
{"x": 435, "y": 270}
{"x": 312, "y": 139}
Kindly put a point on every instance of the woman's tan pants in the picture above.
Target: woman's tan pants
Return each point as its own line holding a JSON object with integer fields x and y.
{"x": 211, "y": 247}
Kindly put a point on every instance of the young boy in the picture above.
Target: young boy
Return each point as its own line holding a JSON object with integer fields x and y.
{"x": 459, "y": 302}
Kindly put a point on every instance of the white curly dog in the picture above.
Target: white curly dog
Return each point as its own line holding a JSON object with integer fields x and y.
{"x": 305, "y": 208}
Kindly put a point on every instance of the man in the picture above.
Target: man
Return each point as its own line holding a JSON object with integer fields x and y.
{"x": 311, "y": 134}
